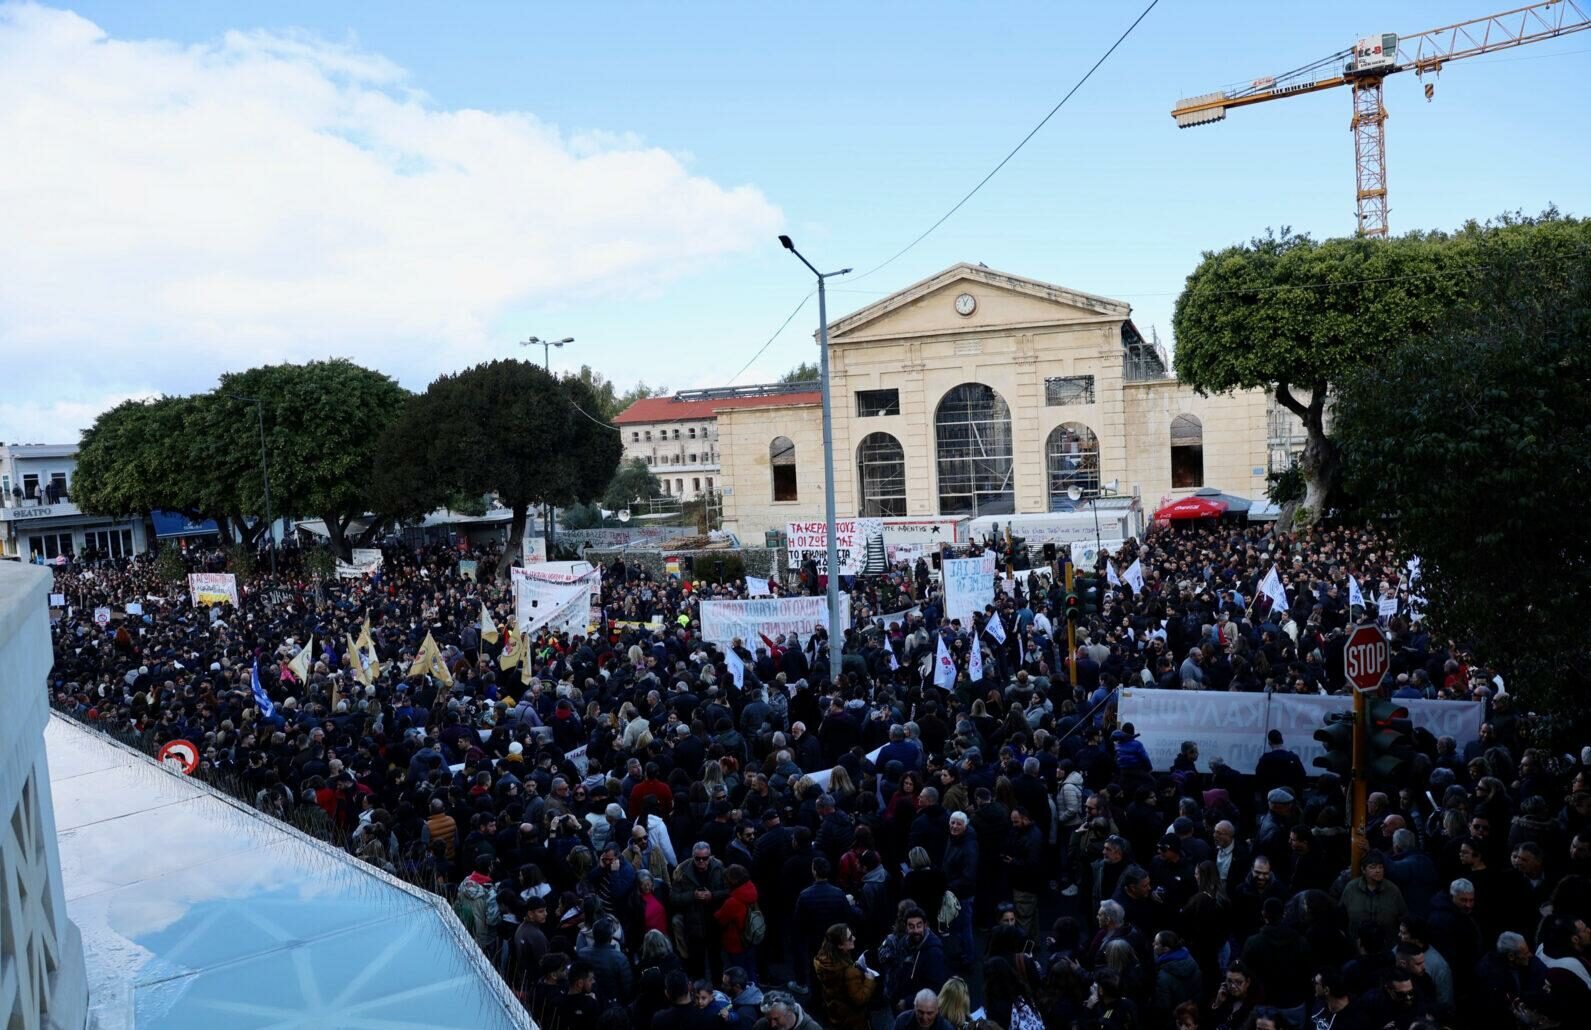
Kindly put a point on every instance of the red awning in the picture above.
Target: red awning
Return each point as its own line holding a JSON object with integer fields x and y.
{"x": 1192, "y": 508}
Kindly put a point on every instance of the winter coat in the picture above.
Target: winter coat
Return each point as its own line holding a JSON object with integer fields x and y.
{"x": 847, "y": 992}
{"x": 695, "y": 915}
{"x": 911, "y": 969}
{"x": 960, "y": 864}
{"x": 732, "y": 915}
{"x": 1177, "y": 979}
{"x": 1384, "y": 907}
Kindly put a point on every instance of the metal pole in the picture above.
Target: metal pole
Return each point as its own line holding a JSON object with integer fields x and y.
{"x": 1071, "y": 636}
{"x": 836, "y": 631}
{"x": 1358, "y": 843}
{"x": 265, "y": 472}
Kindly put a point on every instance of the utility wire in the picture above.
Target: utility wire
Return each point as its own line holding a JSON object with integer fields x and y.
{"x": 774, "y": 337}
{"x": 1014, "y": 150}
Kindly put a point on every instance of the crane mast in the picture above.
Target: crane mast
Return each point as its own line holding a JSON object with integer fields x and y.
{"x": 1364, "y": 68}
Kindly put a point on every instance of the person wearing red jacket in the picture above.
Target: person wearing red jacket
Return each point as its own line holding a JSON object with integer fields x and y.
{"x": 732, "y": 917}
{"x": 651, "y": 787}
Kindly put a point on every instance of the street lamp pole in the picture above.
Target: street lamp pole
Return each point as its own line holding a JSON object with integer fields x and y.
{"x": 265, "y": 474}
{"x": 836, "y": 631}
{"x": 546, "y": 364}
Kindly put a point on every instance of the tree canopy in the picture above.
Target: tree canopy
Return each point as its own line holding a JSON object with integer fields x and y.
{"x": 806, "y": 372}
{"x": 1474, "y": 438}
{"x": 136, "y": 458}
{"x": 633, "y": 479}
{"x": 610, "y": 400}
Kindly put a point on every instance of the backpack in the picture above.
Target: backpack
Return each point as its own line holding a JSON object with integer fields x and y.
{"x": 476, "y": 908}
{"x": 756, "y": 929}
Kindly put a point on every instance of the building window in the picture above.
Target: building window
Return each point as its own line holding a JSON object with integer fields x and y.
{"x": 5, "y": 487}
{"x": 665, "y": 487}
{"x": 1072, "y": 456}
{"x": 709, "y": 484}
{"x": 696, "y": 486}
{"x": 1187, "y": 452}
{"x": 693, "y": 459}
{"x": 972, "y": 435}
{"x": 30, "y": 485}
{"x": 881, "y": 464}
{"x": 679, "y": 487}
{"x": 693, "y": 432}
{"x": 649, "y": 434}
{"x": 1069, "y": 390}
{"x": 782, "y": 456}
{"x": 50, "y": 545}
{"x": 676, "y": 434}
{"x": 635, "y": 437}
{"x": 877, "y": 402}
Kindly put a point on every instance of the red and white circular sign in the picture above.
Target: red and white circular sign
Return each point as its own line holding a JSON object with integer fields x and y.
{"x": 1365, "y": 657}
{"x": 182, "y": 753}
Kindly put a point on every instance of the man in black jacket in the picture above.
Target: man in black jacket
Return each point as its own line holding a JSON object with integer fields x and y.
{"x": 817, "y": 908}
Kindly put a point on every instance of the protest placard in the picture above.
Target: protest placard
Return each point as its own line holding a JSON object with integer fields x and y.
{"x": 723, "y": 621}
{"x": 969, "y": 586}
{"x": 213, "y": 588}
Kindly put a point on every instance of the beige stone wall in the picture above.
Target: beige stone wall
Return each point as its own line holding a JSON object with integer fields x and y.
{"x": 1020, "y": 334}
{"x": 744, "y": 436}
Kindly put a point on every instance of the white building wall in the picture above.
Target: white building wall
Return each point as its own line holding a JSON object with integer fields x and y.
{"x": 42, "y": 982}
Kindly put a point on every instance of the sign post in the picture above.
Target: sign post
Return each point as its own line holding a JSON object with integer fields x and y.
{"x": 1365, "y": 659}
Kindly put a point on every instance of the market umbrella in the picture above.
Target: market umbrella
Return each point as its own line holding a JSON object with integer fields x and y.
{"x": 1192, "y": 508}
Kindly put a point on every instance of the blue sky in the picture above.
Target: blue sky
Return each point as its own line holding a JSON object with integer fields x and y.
{"x": 855, "y": 126}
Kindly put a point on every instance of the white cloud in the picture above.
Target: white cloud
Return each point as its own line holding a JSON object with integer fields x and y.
{"x": 168, "y": 212}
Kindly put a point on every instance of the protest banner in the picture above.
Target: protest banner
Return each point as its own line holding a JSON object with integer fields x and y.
{"x": 899, "y": 618}
{"x": 134, "y": 608}
{"x": 757, "y": 586}
{"x": 969, "y": 586}
{"x": 366, "y": 560}
{"x": 1233, "y": 726}
{"x": 723, "y": 621}
{"x": 57, "y": 600}
{"x": 467, "y": 569}
{"x": 903, "y": 539}
{"x": 559, "y": 595}
{"x": 213, "y": 588}
{"x": 1387, "y": 607}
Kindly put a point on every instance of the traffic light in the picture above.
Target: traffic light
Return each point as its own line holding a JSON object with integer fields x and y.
{"x": 1087, "y": 586}
{"x": 1389, "y": 740}
{"x": 1337, "y": 735}
{"x": 1074, "y": 607}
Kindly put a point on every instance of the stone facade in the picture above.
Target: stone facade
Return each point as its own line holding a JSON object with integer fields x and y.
{"x": 1054, "y": 356}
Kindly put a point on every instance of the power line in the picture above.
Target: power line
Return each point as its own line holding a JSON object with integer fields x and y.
{"x": 774, "y": 337}
{"x": 1014, "y": 150}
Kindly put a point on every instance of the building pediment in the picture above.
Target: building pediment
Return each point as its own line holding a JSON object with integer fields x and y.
{"x": 999, "y": 300}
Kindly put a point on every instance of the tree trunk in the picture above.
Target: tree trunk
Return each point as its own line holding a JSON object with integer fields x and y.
{"x": 516, "y": 541}
{"x": 1321, "y": 461}
{"x": 371, "y": 532}
{"x": 336, "y": 534}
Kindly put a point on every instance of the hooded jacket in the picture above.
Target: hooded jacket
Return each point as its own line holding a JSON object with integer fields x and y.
{"x": 1177, "y": 979}
{"x": 847, "y": 992}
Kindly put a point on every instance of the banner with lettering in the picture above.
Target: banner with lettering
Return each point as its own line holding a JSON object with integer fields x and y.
{"x": 723, "y": 621}
{"x": 1232, "y": 727}
{"x": 969, "y": 586}
{"x": 213, "y": 588}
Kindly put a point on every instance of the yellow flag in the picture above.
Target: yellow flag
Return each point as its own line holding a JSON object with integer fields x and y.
{"x": 355, "y": 661}
{"x": 364, "y": 643}
{"x": 334, "y": 693}
{"x": 439, "y": 667}
{"x": 514, "y": 653}
{"x": 300, "y": 666}
{"x": 422, "y": 659}
{"x": 488, "y": 627}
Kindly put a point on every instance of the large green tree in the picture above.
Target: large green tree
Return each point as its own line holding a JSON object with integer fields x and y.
{"x": 140, "y": 456}
{"x": 805, "y": 372}
{"x": 1293, "y": 316}
{"x": 509, "y": 428}
{"x": 1474, "y": 438}
{"x": 610, "y": 399}
{"x": 322, "y": 423}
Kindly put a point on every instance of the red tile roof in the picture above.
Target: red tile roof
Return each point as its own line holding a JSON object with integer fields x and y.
{"x": 667, "y": 409}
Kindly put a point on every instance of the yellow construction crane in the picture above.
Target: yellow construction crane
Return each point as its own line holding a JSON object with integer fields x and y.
{"x": 1363, "y": 67}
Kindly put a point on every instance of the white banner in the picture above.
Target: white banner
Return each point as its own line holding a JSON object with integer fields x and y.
{"x": 365, "y": 561}
{"x": 757, "y": 587}
{"x": 899, "y": 618}
{"x": 809, "y": 541}
{"x": 1232, "y": 727}
{"x": 213, "y": 588}
{"x": 969, "y": 586}
{"x": 1086, "y": 555}
{"x": 559, "y": 595}
{"x": 723, "y": 621}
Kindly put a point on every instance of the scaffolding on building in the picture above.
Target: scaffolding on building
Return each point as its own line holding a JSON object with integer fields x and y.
{"x": 1143, "y": 360}
{"x": 719, "y": 393}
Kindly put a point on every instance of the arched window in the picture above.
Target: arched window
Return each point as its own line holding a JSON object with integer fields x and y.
{"x": 881, "y": 464}
{"x": 1187, "y": 451}
{"x": 781, "y": 455}
{"x": 972, "y": 434}
{"x": 1072, "y": 457}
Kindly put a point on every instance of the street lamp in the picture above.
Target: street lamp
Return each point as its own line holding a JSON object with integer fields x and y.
{"x": 836, "y": 631}
{"x": 265, "y": 473}
{"x": 546, "y": 364}
{"x": 1075, "y": 493}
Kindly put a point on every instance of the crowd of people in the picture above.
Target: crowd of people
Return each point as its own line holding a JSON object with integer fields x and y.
{"x": 642, "y": 831}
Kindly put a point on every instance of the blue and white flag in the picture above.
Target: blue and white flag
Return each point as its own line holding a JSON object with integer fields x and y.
{"x": 260, "y": 697}
{"x": 1356, "y": 599}
{"x": 1110, "y": 574}
{"x": 975, "y": 662}
{"x": 1271, "y": 587}
{"x": 995, "y": 627}
{"x": 944, "y": 667}
{"x": 736, "y": 666}
{"x": 1134, "y": 576}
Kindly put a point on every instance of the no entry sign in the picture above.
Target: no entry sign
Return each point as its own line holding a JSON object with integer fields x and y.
{"x": 1365, "y": 658}
{"x": 181, "y": 752}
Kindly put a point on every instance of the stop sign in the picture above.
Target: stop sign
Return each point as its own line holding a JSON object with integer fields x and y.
{"x": 1365, "y": 658}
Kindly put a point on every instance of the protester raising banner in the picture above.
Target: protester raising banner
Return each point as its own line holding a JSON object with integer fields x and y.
{"x": 757, "y": 587}
{"x": 366, "y": 560}
{"x": 558, "y": 595}
{"x": 969, "y": 586}
{"x": 723, "y": 621}
{"x": 213, "y": 588}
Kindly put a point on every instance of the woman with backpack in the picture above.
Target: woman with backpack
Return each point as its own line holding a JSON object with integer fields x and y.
{"x": 740, "y": 921}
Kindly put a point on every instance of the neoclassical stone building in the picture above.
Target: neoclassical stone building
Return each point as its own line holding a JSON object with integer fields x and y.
{"x": 977, "y": 392}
